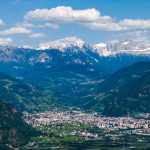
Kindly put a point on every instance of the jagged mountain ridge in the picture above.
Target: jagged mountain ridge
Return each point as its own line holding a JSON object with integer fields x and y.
{"x": 26, "y": 59}
{"x": 104, "y": 49}
{"x": 73, "y": 54}
{"x": 123, "y": 47}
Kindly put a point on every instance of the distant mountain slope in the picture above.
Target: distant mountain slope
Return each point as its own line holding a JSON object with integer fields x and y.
{"x": 104, "y": 91}
{"x": 14, "y": 132}
{"x": 132, "y": 97}
{"x": 25, "y": 97}
{"x": 23, "y": 62}
{"x": 122, "y": 92}
{"x": 125, "y": 74}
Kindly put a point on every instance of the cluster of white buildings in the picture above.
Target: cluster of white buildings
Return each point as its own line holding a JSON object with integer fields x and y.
{"x": 78, "y": 117}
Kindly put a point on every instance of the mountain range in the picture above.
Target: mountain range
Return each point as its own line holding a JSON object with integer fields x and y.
{"x": 70, "y": 72}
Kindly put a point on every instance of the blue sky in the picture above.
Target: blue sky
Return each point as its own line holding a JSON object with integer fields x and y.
{"x": 94, "y": 21}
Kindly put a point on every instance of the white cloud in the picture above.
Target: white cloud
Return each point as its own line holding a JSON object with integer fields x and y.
{"x": 27, "y": 46}
{"x": 126, "y": 24}
{"x": 37, "y": 35}
{"x": 91, "y": 18}
{"x": 137, "y": 23}
{"x": 25, "y": 25}
{"x": 110, "y": 26}
{"x": 140, "y": 35}
{"x": 5, "y": 41}
{"x": 63, "y": 14}
{"x": 16, "y": 30}
{"x": 49, "y": 25}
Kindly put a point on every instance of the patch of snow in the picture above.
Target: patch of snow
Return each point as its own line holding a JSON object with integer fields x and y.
{"x": 62, "y": 44}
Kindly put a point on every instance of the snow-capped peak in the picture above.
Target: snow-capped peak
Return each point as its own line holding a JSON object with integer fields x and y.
{"x": 100, "y": 45}
{"x": 126, "y": 46}
{"x": 27, "y": 47}
{"x": 126, "y": 42}
{"x": 62, "y": 44}
{"x": 101, "y": 48}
